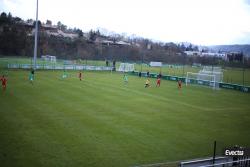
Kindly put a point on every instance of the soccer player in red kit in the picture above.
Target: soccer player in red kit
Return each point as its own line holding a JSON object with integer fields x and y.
{"x": 179, "y": 84}
{"x": 80, "y": 75}
{"x": 158, "y": 82}
{"x": 4, "y": 82}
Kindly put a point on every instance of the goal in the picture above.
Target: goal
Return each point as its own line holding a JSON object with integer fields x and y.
{"x": 126, "y": 67}
{"x": 217, "y": 71}
{"x": 208, "y": 76}
{"x": 201, "y": 79}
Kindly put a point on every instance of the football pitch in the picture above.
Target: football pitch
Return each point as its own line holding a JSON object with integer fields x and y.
{"x": 230, "y": 75}
{"x": 101, "y": 121}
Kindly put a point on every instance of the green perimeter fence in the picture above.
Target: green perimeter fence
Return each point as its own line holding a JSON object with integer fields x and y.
{"x": 194, "y": 81}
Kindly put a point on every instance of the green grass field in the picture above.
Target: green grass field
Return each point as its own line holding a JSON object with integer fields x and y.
{"x": 101, "y": 122}
{"x": 230, "y": 75}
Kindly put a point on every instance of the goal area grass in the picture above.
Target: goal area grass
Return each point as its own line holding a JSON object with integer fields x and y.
{"x": 101, "y": 121}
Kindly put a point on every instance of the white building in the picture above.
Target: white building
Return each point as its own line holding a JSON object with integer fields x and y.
{"x": 48, "y": 58}
{"x": 218, "y": 55}
{"x": 206, "y": 54}
{"x": 192, "y": 53}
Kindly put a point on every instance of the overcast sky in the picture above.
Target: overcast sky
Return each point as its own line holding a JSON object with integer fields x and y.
{"x": 203, "y": 22}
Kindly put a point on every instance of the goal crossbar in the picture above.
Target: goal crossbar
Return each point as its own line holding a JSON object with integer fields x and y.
{"x": 210, "y": 72}
{"x": 200, "y": 74}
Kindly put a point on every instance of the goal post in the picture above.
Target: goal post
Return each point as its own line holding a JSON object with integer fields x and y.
{"x": 201, "y": 79}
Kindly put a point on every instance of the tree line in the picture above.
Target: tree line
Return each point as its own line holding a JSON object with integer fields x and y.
{"x": 16, "y": 39}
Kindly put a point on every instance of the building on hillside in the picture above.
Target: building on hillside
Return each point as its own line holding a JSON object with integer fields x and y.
{"x": 211, "y": 54}
{"x": 206, "y": 54}
{"x": 192, "y": 53}
{"x": 235, "y": 56}
{"x": 104, "y": 41}
{"x": 51, "y": 30}
{"x": 122, "y": 43}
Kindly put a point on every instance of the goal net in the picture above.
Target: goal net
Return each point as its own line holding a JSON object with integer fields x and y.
{"x": 201, "y": 79}
{"x": 126, "y": 67}
{"x": 217, "y": 71}
{"x": 208, "y": 76}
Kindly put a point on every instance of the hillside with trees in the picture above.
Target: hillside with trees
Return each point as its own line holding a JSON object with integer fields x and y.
{"x": 17, "y": 39}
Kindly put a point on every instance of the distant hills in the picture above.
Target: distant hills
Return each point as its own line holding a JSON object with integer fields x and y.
{"x": 232, "y": 48}
{"x": 17, "y": 39}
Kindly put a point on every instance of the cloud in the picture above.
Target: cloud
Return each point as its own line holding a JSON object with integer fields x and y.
{"x": 24, "y": 9}
{"x": 197, "y": 21}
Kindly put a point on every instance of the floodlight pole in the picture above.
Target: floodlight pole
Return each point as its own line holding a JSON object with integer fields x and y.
{"x": 214, "y": 155}
{"x": 141, "y": 61}
{"x": 36, "y": 29}
{"x": 243, "y": 76}
{"x": 184, "y": 62}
